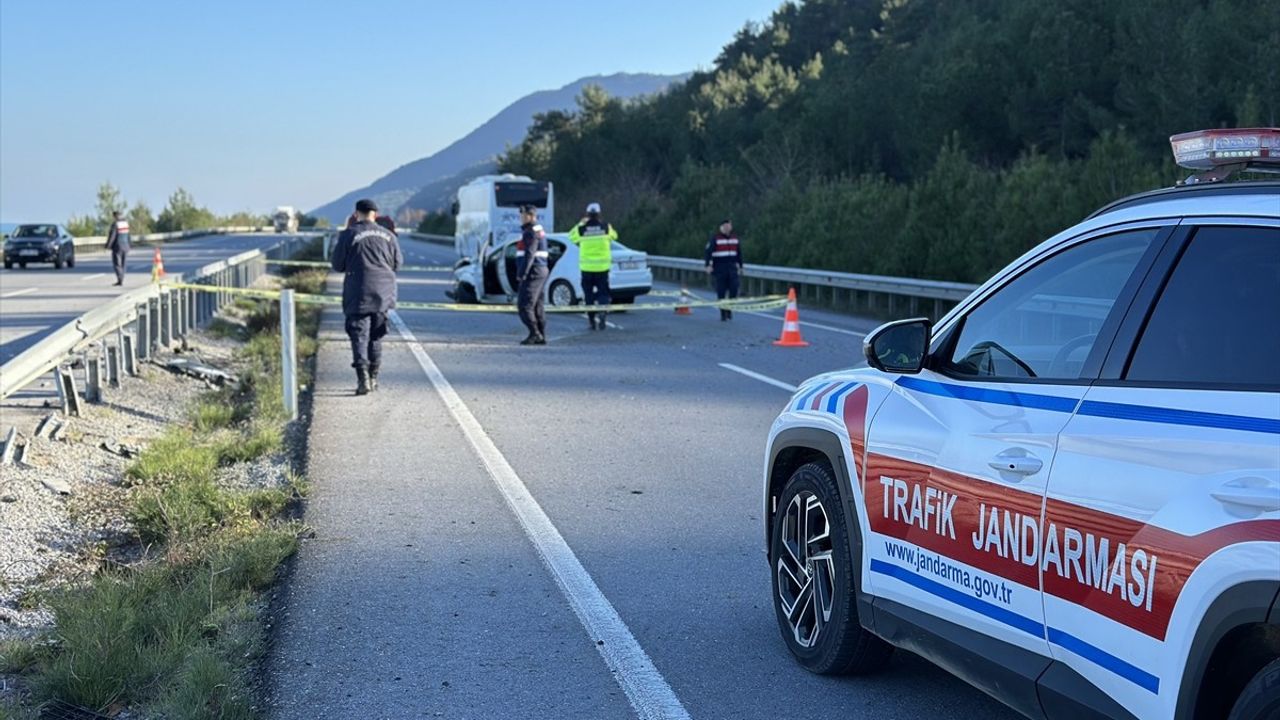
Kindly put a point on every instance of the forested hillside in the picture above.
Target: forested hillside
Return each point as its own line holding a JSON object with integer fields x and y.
{"x": 928, "y": 138}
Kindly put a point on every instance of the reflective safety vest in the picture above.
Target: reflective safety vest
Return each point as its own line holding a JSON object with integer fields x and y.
{"x": 724, "y": 252}
{"x": 595, "y": 242}
{"x": 119, "y": 235}
{"x": 532, "y": 243}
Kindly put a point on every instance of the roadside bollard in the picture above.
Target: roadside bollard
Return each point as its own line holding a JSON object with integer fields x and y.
{"x": 289, "y": 354}
{"x": 113, "y": 366}
{"x": 130, "y": 357}
{"x": 153, "y": 326}
{"x": 166, "y": 321}
{"x": 65, "y": 381}
{"x": 143, "y": 347}
{"x": 93, "y": 378}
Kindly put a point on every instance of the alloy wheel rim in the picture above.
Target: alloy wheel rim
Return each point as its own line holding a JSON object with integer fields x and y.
{"x": 560, "y": 295}
{"x": 806, "y": 569}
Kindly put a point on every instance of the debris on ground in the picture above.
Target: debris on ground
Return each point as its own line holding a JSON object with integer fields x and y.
{"x": 200, "y": 370}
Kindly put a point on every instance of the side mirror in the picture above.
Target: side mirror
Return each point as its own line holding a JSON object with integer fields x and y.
{"x": 899, "y": 346}
{"x": 454, "y": 208}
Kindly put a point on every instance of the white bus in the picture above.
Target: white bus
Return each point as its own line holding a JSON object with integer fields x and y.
{"x": 487, "y": 211}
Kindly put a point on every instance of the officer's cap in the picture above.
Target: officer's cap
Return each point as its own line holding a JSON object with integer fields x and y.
{"x": 593, "y": 209}
{"x": 366, "y": 205}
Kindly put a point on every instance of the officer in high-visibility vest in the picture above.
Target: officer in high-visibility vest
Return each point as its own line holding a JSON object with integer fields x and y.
{"x": 532, "y": 271}
{"x": 118, "y": 244}
{"x": 724, "y": 262}
{"x": 595, "y": 256}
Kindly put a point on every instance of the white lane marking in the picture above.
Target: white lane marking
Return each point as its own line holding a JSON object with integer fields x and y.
{"x": 648, "y": 691}
{"x": 758, "y": 376}
{"x": 94, "y": 276}
{"x": 16, "y": 293}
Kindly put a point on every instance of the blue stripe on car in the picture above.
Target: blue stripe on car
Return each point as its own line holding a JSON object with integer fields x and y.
{"x": 1092, "y": 653}
{"x": 1094, "y": 408}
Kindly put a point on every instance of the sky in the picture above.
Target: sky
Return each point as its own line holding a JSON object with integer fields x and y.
{"x": 249, "y": 105}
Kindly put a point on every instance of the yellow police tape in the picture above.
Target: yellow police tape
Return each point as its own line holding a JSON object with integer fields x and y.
{"x": 318, "y": 264}
{"x": 769, "y": 302}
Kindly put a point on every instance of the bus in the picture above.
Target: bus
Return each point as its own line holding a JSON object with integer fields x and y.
{"x": 487, "y": 211}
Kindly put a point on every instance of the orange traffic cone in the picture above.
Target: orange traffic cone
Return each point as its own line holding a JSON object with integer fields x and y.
{"x": 684, "y": 296}
{"x": 157, "y": 267}
{"x": 791, "y": 325}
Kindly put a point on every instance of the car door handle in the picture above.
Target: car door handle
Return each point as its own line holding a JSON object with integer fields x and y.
{"x": 1017, "y": 462}
{"x": 1252, "y": 492}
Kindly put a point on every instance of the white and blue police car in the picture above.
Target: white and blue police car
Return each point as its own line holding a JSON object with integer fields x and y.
{"x": 1067, "y": 491}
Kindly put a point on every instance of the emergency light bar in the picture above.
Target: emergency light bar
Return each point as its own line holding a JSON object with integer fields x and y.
{"x": 1218, "y": 153}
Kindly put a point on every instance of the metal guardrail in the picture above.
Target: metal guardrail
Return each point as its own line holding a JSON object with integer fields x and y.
{"x": 159, "y": 317}
{"x": 877, "y": 295}
{"x": 870, "y": 294}
{"x": 91, "y": 241}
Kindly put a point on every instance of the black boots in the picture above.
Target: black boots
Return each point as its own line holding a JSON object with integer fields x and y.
{"x": 596, "y": 320}
{"x": 725, "y": 315}
{"x": 373, "y": 378}
{"x": 362, "y": 381}
{"x": 534, "y": 340}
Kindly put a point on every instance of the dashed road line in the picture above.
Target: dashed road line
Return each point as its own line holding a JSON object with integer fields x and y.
{"x": 16, "y": 293}
{"x": 649, "y": 693}
{"x": 757, "y": 376}
{"x": 94, "y": 276}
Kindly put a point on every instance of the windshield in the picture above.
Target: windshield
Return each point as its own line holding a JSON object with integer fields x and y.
{"x": 36, "y": 231}
{"x": 515, "y": 194}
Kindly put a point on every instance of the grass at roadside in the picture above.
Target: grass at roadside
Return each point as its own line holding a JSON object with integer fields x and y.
{"x": 174, "y": 636}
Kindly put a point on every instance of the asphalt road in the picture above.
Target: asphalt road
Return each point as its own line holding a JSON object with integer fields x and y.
{"x": 39, "y": 299}
{"x": 434, "y": 587}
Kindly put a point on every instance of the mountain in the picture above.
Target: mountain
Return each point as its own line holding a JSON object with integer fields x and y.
{"x": 429, "y": 183}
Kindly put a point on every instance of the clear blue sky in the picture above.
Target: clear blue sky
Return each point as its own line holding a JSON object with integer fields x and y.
{"x": 250, "y": 105}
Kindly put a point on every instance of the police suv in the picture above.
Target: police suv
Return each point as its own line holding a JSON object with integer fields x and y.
{"x": 1067, "y": 491}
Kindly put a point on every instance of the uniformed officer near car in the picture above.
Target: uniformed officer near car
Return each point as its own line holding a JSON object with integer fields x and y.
{"x": 532, "y": 271}
{"x": 594, "y": 239}
{"x": 724, "y": 263}
{"x": 369, "y": 255}
{"x": 118, "y": 244}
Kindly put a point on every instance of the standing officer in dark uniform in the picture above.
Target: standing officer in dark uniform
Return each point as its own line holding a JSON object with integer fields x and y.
{"x": 118, "y": 244}
{"x": 532, "y": 271}
{"x": 369, "y": 254}
{"x": 724, "y": 261}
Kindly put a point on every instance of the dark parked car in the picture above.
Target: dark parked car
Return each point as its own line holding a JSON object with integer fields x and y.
{"x": 39, "y": 244}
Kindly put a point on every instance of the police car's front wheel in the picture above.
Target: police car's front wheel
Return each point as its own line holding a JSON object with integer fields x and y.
{"x": 814, "y": 587}
{"x": 1261, "y": 697}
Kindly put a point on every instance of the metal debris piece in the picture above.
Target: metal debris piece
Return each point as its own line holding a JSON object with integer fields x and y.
{"x": 124, "y": 451}
{"x": 58, "y": 486}
{"x": 196, "y": 369}
{"x": 10, "y": 442}
{"x": 47, "y": 425}
{"x": 60, "y": 432}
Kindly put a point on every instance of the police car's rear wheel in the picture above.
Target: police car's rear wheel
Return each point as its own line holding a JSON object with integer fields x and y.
{"x": 814, "y": 588}
{"x": 1260, "y": 699}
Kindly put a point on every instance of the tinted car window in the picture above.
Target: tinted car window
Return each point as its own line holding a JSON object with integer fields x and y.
{"x": 1043, "y": 323}
{"x": 1215, "y": 321}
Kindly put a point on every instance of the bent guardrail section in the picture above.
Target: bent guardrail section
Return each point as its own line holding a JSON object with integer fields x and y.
{"x": 160, "y": 316}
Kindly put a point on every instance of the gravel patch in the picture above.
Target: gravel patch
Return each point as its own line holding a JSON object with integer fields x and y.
{"x": 49, "y": 539}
